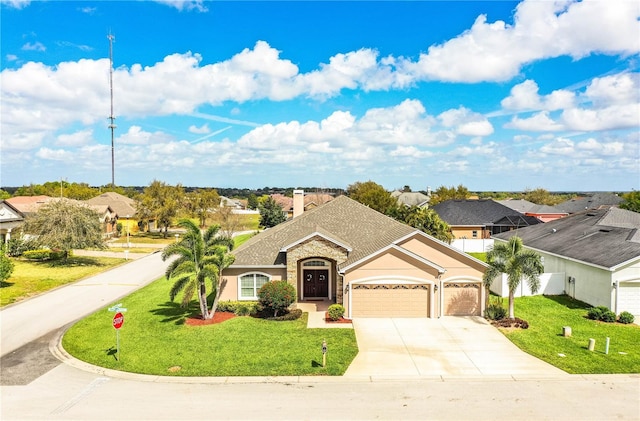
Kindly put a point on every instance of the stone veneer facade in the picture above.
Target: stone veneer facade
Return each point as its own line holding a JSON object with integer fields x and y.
{"x": 317, "y": 247}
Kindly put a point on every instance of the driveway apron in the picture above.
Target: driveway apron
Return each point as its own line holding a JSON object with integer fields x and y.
{"x": 448, "y": 346}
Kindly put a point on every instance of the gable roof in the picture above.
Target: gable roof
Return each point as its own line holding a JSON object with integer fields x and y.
{"x": 524, "y": 206}
{"x": 606, "y": 238}
{"x": 342, "y": 221}
{"x": 14, "y": 213}
{"x": 28, "y": 204}
{"x": 595, "y": 201}
{"x": 480, "y": 212}
{"x": 123, "y": 206}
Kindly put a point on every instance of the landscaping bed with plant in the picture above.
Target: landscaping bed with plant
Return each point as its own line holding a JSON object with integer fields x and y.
{"x": 156, "y": 339}
{"x": 547, "y": 316}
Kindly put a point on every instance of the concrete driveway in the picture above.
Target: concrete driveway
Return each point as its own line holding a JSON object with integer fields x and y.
{"x": 448, "y": 346}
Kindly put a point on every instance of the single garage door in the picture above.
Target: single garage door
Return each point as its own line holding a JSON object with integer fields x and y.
{"x": 389, "y": 300}
{"x": 462, "y": 299}
{"x": 629, "y": 298}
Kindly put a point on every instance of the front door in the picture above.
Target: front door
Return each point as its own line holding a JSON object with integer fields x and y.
{"x": 316, "y": 283}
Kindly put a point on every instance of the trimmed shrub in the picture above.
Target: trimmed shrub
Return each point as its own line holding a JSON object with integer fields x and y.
{"x": 294, "y": 314}
{"x": 239, "y": 308}
{"x": 626, "y": 318}
{"x": 41, "y": 254}
{"x": 335, "y": 311}
{"x": 495, "y": 312}
{"x": 608, "y": 316}
{"x": 595, "y": 313}
{"x": 276, "y": 296}
{"x": 16, "y": 247}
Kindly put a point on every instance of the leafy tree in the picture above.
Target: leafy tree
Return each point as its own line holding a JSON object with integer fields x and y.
{"x": 517, "y": 263}
{"x": 4, "y": 194}
{"x": 541, "y": 196}
{"x": 252, "y": 201}
{"x": 6, "y": 266}
{"x": 271, "y": 213}
{"x": 229, "y": 221}
{"x": 65, "y": 225}
{"x": 202, "y": 203}
{"x": 631, "y": 201}
{"x": 444, "y": 193}
{"x": 160, "y": 201}
{"x": 200, "y": 258}
{"x": 426, "y": 220}
{"x": 373, "y": 195}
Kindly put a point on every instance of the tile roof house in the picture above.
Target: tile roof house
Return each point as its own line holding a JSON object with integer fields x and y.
{"x": 481, "y": 218}
{"x": 345, "y": 252}
{"x": 597, "y": 252}
{"x": 124, "y": 208}
{"x": 10, "y": 221}
{"x": 311, "y": 200}
{"x": 542, "y": 212}
{"x": 594, "y": 201}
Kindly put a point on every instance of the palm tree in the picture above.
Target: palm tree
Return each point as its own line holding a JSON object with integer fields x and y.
{"x": 518, "y": 263}
{"x": 201, "y": 257}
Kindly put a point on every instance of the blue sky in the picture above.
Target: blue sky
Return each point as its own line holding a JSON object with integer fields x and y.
{"x": 495, "y": 95}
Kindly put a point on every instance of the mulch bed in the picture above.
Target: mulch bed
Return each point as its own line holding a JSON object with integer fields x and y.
{"x": 340, "y": 320}
{"x": 507, "y": 323}
{"x": 219, "y": 317}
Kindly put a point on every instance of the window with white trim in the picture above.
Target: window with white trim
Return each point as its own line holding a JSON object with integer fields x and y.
{"x": 250, "y": 284}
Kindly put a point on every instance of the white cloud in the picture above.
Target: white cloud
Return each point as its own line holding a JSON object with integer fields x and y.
{"x": 16, "y": 4}
{"x": 11, "y": 57}
{"x": 496, "y": 51}
{"x": 36, "y": 46}
{"x": 204, "y": 129}
{"x": 80, "y": 138}
{"x": 185, "y": 5}
{"x": 466, "y": 122}
{"x": 524, "y": 96}
{"x": 623, "y": 88}
{"x": 613, "y": 117}
{"x": 606, "y": 149}
{"x": 410, "y": 152}
{"x": 540, "y": 122}
{"x": 559, "y": 146}
{"x": 136, "y": 136}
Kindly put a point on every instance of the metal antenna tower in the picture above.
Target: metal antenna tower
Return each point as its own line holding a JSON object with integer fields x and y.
{"x": 112, "y": 118}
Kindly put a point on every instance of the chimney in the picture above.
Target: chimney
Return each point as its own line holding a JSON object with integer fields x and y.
{"x": 298, "y": 202}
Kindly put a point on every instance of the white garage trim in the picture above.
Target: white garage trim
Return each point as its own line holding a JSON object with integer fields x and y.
{"x": 628, "y": 297}
{"x": 385, "y": 280}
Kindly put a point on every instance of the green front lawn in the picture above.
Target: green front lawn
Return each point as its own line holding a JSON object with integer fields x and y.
{"x": 155, "y": 340}
{"x": 548, "y": 314}
{"x": 31, "y": 278}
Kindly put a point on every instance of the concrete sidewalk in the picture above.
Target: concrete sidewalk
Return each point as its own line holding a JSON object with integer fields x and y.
{"x": 28, "y": 320}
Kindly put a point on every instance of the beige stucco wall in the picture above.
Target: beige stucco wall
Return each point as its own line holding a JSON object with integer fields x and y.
{"x": 467, "y": 232}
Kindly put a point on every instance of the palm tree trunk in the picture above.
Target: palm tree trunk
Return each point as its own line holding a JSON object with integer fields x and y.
{"x": 216, "y": 298}
{"x": 203, "y": 303}
{"x": 511, "y": 300}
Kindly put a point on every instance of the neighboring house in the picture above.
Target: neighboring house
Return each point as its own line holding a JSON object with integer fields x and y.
{"x": 27, "y": 205}
{"x": 230, "y": 203}
{"x": 480, "y": 219}
{"x": 123, "y": 207}
{"x": 594, "y": 254}
{"x": 345, "y": 252}
{"x": 412, "y": 198}
{"x": 311, "y": 201}
{"x": 11, "y": 219}
{"x": 542, "y": 212}
{"x": 594, "y": 201}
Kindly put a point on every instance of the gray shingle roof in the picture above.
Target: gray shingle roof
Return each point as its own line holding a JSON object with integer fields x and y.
{"x": 524, "y": 206}
{"x": 594, "y": 201}
{"x": 344, "y": 220}
{"x": 478, "y": 212}
{"x": 603, "y": 237}
{"x": 411, "y": 198}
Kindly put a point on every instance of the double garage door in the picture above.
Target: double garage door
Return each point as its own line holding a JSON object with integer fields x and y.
{"x": 413, "y": 300}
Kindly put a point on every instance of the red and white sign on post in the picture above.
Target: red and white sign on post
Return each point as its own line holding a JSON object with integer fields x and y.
{"x": 118, "y": 320}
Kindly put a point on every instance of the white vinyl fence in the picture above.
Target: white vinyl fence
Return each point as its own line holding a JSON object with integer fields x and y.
{"x": 550, "y": 284}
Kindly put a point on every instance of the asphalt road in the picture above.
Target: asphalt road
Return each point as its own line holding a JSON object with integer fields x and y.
{"x": 35, "y": 385}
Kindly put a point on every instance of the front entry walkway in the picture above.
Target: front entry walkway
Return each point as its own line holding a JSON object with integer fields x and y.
{"x": 448, "y": 346}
